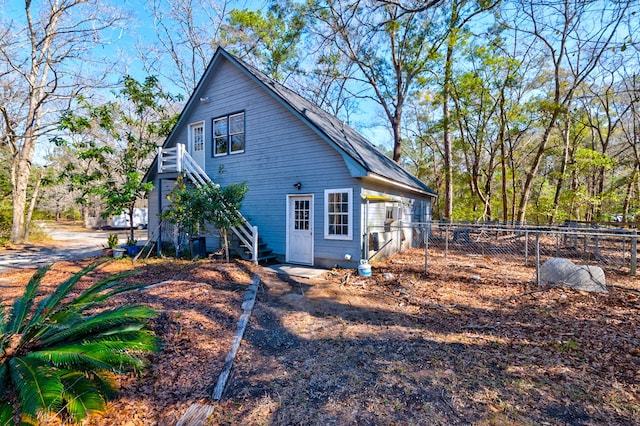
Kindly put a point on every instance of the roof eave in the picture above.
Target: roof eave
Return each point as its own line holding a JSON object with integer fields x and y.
{"x": 403, "y": 186}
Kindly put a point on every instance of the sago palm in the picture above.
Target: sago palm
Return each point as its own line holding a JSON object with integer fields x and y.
{"x": 60, "y": 355}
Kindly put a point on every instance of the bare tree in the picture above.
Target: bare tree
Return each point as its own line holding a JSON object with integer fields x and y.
{"x": 627, "y": 106}
{"x": 390, "y": 46}
{"x": 187, "y": 32}
{"x": 45, "y": 56}
{"x": 567, "y": 36}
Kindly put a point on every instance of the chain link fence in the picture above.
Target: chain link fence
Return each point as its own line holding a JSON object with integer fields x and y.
{"x": 613, "y": 249}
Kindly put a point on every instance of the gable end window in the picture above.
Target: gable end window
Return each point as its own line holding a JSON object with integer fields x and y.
{"x": 228, "y": 134}
{"x": 338, "y": 213}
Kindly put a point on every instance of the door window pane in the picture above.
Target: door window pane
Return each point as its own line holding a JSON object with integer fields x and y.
{"x": 301, "y": 213}
{"x": 198, "y": 138}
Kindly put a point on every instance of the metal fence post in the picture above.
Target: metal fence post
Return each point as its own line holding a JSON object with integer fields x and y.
{"x": 159, "y": 240}
{"x": 634, "y": 253}
{"x": 586, "y": 244}
{"x": 537, "y": 258}
{"x": 526, "y": 247}
{"x": 446, "y": 241}
{"x": 426, "y": 251}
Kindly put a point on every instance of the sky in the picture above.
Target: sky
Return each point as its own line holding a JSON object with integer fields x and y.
{"x": 123, "y": 44}
{"x": 368, "y": 113}
{"x": 139, "y": 31}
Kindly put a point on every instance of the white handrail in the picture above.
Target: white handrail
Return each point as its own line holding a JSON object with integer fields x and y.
{"x": 170, "y": 159}
{"x": 178, "y": 160}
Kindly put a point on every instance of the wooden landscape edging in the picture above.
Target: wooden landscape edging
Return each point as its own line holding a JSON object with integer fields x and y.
{"x": 197, "y": 413}
{"x": 247, "y": 306}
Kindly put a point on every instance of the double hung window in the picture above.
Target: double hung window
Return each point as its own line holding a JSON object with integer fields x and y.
{"x": 228, "y": 134}
{"x": 338, "y": 205}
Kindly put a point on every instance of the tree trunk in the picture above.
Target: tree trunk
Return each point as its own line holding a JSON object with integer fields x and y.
{"x": 628, "y": 194}
{"x": 19, "y": 179}
{"x": 488, "y": 193}
{"x": 397, "y": 136}
{"x": 503, "y": 161}
{"x": 563, "y": 169}
{"x": 131, "y": 225}
{"x": 20, "y": 173}
{"x": 514, "y": 183}
{"x": 32, "y": 206}
{"x": 599, "y": 191}
{"x": 446, "y": 119}
{"x": 226, "y": 244}
{"x": 84, "y": 211}
{"x": 533, "y": 171}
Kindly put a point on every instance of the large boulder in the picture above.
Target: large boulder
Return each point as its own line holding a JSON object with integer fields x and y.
{"x": 563, "y": 272}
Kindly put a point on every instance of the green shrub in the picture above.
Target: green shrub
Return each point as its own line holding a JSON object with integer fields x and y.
{"x": 112, "y": 241}
{"x": 5, "y": 219}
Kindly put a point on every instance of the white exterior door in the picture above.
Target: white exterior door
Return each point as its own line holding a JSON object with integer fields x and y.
{"x": 300, "y": 229}
{"x": 196, "y": 143}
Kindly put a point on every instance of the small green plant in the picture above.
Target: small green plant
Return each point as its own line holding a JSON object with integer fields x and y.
{"x": 60, "y": 356}
{"x": 568, "y": 346}
{"x": 112, "y": 241}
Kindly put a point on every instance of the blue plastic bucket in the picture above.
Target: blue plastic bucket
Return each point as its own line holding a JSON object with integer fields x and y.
{"x": 364, "y": 269}
{"x": 132, "y": 250}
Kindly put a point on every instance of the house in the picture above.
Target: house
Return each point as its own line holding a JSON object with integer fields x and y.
{"x": 319, "y": 193}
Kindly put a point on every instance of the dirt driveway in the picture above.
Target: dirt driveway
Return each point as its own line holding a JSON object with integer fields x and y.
{"x": 67, "y": 241}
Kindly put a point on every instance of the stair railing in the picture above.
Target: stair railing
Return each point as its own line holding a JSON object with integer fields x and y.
{"x": 194, "y": 172}
{"x": 171, "y": 159}
{"x": 179, "y": 160}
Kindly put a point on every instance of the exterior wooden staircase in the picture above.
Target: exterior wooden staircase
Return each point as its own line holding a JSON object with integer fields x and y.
{"x": 265, "y": 254}
{"x": 245, "y": 235}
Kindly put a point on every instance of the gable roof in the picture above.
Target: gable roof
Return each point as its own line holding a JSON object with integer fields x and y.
{"x": 362, "y": 157}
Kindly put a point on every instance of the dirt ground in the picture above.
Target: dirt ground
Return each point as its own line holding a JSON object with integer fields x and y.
{"x": 469, "y": 342}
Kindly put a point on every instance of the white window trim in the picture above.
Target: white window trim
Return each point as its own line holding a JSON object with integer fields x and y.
{"x": 213, "y": 135}
{"x": 244, "y": 132}
{"x": 349, "y": 235}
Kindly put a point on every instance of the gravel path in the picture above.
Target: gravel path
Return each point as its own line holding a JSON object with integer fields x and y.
{"x": 66, "y": 244}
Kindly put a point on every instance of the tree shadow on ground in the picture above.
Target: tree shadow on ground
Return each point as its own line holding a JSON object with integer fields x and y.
{"x": 362, "y": 365}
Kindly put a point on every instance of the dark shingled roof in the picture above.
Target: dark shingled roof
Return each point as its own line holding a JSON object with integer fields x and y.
{"x": 344, "y": 137}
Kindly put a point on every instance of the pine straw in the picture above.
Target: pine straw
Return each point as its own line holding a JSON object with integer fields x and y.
{"x": 471, "y": 341}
